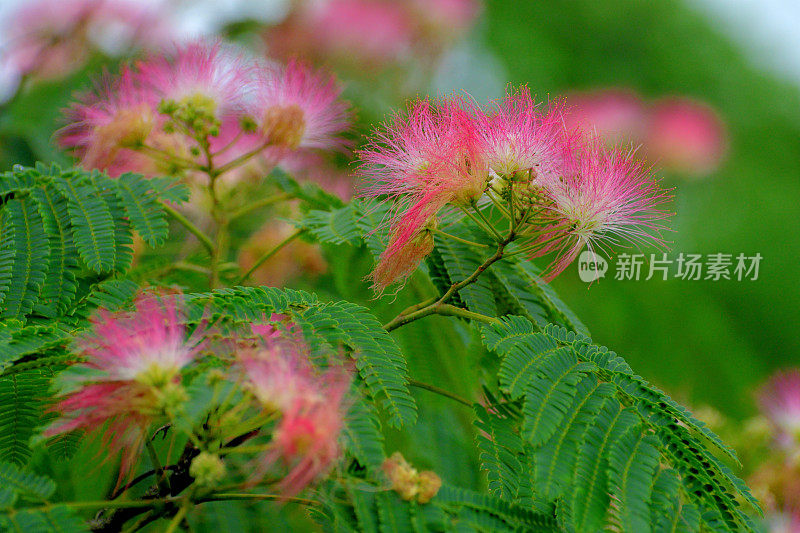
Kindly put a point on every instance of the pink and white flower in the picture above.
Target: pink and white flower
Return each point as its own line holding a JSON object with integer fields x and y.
{"x": 135, "y": 361}
{"x": 604, "y": 197}
{"x": 779, "y": 400}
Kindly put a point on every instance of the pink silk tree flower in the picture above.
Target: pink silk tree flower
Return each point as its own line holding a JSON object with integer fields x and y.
{"x": 306, "y": 440}
{"x": 212, "y": 76}
{"x": 51, "y": 38}
{"x": 779, "y": 400}
{"x": 134, "y": 363}
{"x": 518, "y": 135}
{"x": 422, "y": 161}
{"x": 276, "y": 368}
{"x": 685, "y": 136}
{"x": 605, "y": 197}
{"x": 373, "y": 31}
{"x": 296, "y": 107}
{"x": 108, "y": 123}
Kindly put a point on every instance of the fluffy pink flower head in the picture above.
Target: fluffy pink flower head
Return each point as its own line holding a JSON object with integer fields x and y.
{"x": 616, "y": 115}
{"x": 297, "y": 107}
{"x": 686, "y": 136}
{"x": 306, "y": 441}
{"x": 135, "y": 361}
{"x": 277, "y": 369}
{"x": 605, "y": 197}
{"x": 422, "y": 160}
{"x": 779, "y": 399}
{"x": 105, "y": 125}
{"x": 517, "y": 135}
{"x": 204, "y": 73}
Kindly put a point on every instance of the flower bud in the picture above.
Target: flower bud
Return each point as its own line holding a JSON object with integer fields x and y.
{"x": 207, "y": 469}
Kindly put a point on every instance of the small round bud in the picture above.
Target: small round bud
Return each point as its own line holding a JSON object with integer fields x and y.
{"x": 207, "y": 469}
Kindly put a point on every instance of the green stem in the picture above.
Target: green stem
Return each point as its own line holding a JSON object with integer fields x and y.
{"x": 224, "y": 496}
{"x": 244, "y": 158}
{"x": 488, "y": 229}
{"x": 459, "y": 239}
{"x": 204, "y": 239}
{"x": 439, "y": 391}
{"x": 161, "y": 474}
{"x": 178, "y": 518}
{"x": 452, "y": 310}
{"x": 258, "y": 205}
{"x": 269, "y": 254}
{"x": 439, "y": 306}
{"x": 486, "y": 221}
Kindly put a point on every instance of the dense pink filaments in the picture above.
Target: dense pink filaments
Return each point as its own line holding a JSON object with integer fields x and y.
{"x": 220, "y": 73}
{"x": 135, "y": 359}
{"x": 779, "y": 399}
{"x": 205, "y": 105}
{"x": 572, "y": 192}
{"x": 604, "y": 198}
{"x": 518, "y": 135}
{"x": 321, "y": 116}
{"x": 310, "y": 402}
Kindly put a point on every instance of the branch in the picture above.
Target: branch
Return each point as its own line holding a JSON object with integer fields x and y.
{"x": 269, "y": 254}
{"x": 204, "y": 239}
{"x": 439, "y": 391}
{"x": 439, "y": 307}
{"x": 259, "y": 204}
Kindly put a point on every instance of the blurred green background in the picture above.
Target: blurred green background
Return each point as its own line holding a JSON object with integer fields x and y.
{"x": 704, "y": 341}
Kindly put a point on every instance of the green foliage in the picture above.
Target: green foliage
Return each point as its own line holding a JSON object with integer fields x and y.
{"x": 60, "y": 226}
{"x": 16, "y": 483}
{"x": 594, "y": 436}
{"x": 21, "y": 398}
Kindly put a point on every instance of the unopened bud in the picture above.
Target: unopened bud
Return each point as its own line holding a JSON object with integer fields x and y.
{"x": 402, "y": 476}
{"x": 207, "y": 469}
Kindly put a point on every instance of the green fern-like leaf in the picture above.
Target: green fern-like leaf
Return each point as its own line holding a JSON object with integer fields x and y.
{"x": 31, "y": 252}
{"x": 632, "y": 468}
{"x": 142, "y": 209}
{"x": 15, "y": 483}
{"x": 500, "y": 447}
{"x": 55, "y": 519}
{"x": 590, "y": 500}
{"x": 21, "y": 408}
{"x": 339, "y": 226}
{"x": 555, "y": 459}
{"x": 362, "y": 435}
{"x": 549, "y": 394}
{"x": 60, "y": 285}
{"x": 92, "y": 222}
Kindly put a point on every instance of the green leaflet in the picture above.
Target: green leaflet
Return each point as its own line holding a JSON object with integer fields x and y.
{"x": 31, "y": 250}
{"x": 15, "y": 483}
{"x": 632, "y": 466}
{"x": 21, "y": 411}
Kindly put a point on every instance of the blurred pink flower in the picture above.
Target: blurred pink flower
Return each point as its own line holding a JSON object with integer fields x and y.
{"x": 297, "y": 107}
{"x": 50, "y": 38}
{"x": 616, "y": 115}
{"x": 373, "y": 30}
{"x": 779, "y": 400}
{"x": 165, "y": 113}
{"x": 135, "y": 361}
{"x": 306, "y": 440}
{"x": 310, "y": 402}
{"x": 685, "y": 136}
